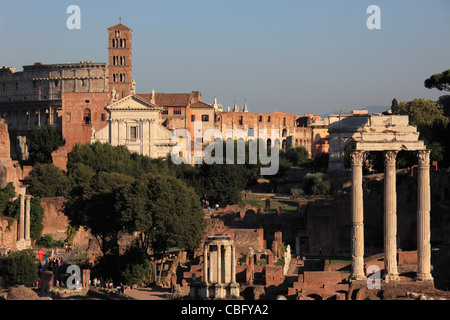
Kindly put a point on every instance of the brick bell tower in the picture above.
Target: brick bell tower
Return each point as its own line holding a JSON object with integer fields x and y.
{"x": 119, "y": 60}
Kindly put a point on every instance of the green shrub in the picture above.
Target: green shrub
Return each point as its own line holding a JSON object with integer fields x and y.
{"x": 47, "y": 241}
{"x": 316, "y": 184}
{"x": 22, "y": 268}
{"x": 136, "y": 273}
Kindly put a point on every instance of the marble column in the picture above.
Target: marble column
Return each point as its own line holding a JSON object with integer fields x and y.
{"x": 22, "y": 215}
{"x": 233, "y": 264}
{"x": 27, "y": 218}
{"x": 205, "y": 264}
{"x": 390, "y": 216}
{"x": 357, "y": 210}
{"x": 219, "y": 264}
{"x": 212, "y": 262}
{"x": 423, "y": 218}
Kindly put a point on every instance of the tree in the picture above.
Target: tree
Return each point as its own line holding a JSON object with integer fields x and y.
{"x": 420, "y": 112}
{"x": 432, "y": 125}
{"x": 21, "y": 268}
{"x": 320, "y": 161}
{"x": 6, "y": 196}
{"x": 394, "y": 104}
{"x": 44, "y": 141}
{"x": 440, "y": 81}
{"x": 47, "y": 180}
{"x": 93, "y": 206}
{"x": 297, "y": 156}
{"x": 316, "y": 184}
{"x": 166, "y": 211}
{"x": 107, "y": 158}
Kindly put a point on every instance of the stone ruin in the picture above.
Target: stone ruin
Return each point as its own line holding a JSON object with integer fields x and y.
{"x": 387, "y": 134}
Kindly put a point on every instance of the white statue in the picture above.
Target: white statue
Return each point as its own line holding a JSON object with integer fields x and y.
{"x": 133, "y": 87}
{"x": 114, "y": 95}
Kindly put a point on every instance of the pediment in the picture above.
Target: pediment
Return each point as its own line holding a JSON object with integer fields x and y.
{"x": 133, "y": 102}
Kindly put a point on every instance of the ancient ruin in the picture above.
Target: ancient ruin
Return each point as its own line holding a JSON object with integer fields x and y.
{"x": 219, "y": 269}
{"x": 388, "y": 134}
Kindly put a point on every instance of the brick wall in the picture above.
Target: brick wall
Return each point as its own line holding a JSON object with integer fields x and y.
{"x": 8, "y": 233}
{"x": 74, "y": 104}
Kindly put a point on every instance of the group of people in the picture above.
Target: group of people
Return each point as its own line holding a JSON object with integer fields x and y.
{"x": 51, "y": 264}
{"x": 205, "y": 204}
{"x": 67, "y": 247}
{"x": 108, "y": 283}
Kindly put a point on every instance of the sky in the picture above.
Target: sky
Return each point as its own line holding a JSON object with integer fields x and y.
{"x": 295, "y": 56}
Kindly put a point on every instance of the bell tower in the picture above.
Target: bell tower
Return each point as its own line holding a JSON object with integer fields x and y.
{"x": 119, "y": 60}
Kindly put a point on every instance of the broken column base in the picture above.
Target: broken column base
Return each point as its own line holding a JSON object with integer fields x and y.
{"x": 214, "y": 290}
{"x": 23, "y": 244}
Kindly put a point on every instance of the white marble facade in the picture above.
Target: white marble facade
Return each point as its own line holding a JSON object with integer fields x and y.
{"x": 136, "y": 123}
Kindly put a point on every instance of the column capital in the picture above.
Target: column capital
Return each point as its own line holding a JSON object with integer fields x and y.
{"x": 390, "y": 157}
{"x": 357, "y": 157}
{"x": 424, "y": 158}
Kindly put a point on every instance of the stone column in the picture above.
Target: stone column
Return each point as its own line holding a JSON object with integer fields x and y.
{"x": 212, "y": 263}
{"x": 219, "y": 265}
{"x": 22, "y": 214}
{"x": 205, "y": 264}
{"x": 423, "y": 218}
{"x": 233, "y": 264}
{"x": 357, "y": 209}
{"x": 227, "y": 264}
{"x": 390, "y": 216}
{"x": 27, "y": 218}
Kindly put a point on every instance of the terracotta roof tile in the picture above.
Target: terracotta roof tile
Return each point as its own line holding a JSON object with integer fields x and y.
{"x": 119, "y": 26}
{"x": 200, "y": 104}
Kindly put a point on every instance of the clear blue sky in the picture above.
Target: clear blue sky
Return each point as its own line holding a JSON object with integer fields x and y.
{"x": 295, "y": 56}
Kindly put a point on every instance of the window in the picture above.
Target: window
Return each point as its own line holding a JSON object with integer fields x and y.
{"x": 133, "y": 133}
{"x": 83, "y": 82}
{"x": 268, "y": 119}
{"x": 192, "y": 117}
{"x": 177, "y": 111}
{"x": 17, "y": 86}
{"x": 241, "y": 120}
{"x": 205, "y": 117}
{"x": 284, "y": 122}
{"x": 34, "y": 84}
{"x": 87, "y": 116}
{"x": 165, "y": 111}
{"x": 104, "y": 116}
{"x": 56, "y": 83}
{"x": 122, "y": 77}
{"x": 68, "y": 117}
{"x": 123, "y": 43}
{"x": 260, "y": 118}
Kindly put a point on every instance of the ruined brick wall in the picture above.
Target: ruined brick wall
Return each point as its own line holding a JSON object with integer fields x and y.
{"x": 55, "y": 222}
{"x": 8, "y": 233}
{"x": 10, "y": 170}
{"x": 248, "y": 238}
{"x": 274, "y": 275}
{"x": 59, "y": 158}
